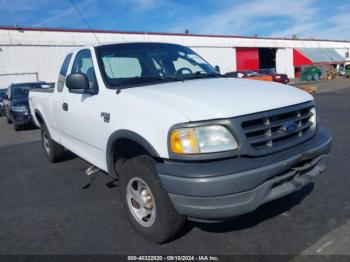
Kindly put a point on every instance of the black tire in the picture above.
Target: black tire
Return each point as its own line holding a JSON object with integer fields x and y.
{"x": 53, "y": 151}
{"x": 16, "y": 127}
{"x": 168, "y": 223}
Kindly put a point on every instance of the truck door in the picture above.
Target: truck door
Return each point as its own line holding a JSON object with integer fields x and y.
{"x": 57, "y": 99}
{"x": 81, "y": 114}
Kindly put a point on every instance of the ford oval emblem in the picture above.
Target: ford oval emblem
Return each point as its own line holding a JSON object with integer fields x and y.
{"x": 289, "y": 127}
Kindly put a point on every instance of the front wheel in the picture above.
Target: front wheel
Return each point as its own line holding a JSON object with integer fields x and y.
{"x": 146, "y": 202}
{"x": 53, "y": 151}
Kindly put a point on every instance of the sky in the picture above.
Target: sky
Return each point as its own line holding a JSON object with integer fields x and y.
{"x": 318, "y": 19}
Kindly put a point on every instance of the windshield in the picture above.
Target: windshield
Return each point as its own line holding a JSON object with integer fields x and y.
{"x": 2, "y": 93}
{"x": 22, "y": 90}
{"x": 135, "y": 64}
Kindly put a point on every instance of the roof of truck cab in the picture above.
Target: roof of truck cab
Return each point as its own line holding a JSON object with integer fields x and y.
{"x": 76, "y": 49}
{"x": 131, "y": 42}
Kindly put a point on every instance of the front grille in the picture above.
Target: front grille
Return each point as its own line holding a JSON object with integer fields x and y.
{"x": 278, "y": 128}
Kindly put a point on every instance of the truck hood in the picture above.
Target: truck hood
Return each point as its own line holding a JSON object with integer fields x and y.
{"x": 204, "y": 99}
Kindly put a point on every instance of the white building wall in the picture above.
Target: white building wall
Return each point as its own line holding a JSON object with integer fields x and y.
{"x": 43, "y": 51}
{"x": 281, "y": 66}
{"x": 284, "y": 61}
{"x": 225, "y": 58}
{"x": 289, "y": 63}
{"x": 71, "y": 38}
{"x": 343, "y": 51}
{"x": 6, "y": 79}
{"x": 30, "y": 62}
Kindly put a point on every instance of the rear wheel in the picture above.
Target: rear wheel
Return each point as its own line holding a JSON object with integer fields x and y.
{"x": 53, "y": 151}
{"x": 146, "y": 202}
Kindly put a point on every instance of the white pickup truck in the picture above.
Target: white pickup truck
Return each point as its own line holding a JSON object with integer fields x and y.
{"x": 184, "y": 141}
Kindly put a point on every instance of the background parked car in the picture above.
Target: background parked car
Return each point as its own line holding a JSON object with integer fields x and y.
{"x": 16, "y": 104}
{"x": 248, "y": 74}
{"x": 276, "y": 77}
{"x": 2, "y": 96}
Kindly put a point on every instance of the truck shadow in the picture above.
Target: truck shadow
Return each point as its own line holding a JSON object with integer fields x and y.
{"x": 264, "y": 212}
{"x": 68, "y": 155}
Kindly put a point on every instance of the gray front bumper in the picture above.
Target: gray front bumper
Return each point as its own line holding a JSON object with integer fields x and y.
{"x": 219, "y": 193}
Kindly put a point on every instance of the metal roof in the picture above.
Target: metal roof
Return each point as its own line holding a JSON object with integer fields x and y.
{"x": 322, "y": 55}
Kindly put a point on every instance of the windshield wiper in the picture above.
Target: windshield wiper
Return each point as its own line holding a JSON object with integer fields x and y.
{"x": 206, "y": 74}
{"x": 173, "y": 78}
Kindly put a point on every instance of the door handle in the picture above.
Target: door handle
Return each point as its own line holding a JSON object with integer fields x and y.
{"x": 65, "y": 107}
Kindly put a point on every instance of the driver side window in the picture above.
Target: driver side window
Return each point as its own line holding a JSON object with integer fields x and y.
{"x": 83, "y": 64}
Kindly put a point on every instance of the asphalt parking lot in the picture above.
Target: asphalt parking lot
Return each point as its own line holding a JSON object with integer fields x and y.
{"x": 50, "y": 208}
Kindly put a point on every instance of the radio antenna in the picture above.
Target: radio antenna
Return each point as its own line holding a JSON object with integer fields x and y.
{"x": 94, "y": 34}
{"x": 85, "y": 21}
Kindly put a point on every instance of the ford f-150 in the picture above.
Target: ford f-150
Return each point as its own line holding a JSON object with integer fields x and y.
{"x": 183, "y": 141}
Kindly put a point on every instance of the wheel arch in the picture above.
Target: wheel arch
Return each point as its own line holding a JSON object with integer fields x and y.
{"x": 131, "y": 144}
{"x": 38, "y": 117}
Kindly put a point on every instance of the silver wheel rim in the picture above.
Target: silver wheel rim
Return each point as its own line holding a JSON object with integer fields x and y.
{"x": 46, "y": 143}
{"x": 141, "y": 202}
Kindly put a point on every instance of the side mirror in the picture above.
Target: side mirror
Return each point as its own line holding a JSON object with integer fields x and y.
{"x": 5, "y": 97}
{"x": 77, "y": 81}
{"x": 217, "y": 68}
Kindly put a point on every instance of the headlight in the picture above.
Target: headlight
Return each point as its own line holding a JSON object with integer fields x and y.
{"x": 202, "y": 139}
{"x": 313, "y": 118}
{"x": 19, "y": 108}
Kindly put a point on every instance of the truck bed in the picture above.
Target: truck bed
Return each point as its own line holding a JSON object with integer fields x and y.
{"x": 41, "y": 100}
{"x": 43, "y": 90}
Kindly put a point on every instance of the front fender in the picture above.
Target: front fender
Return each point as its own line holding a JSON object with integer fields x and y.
{"x": 125, "y": 134}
